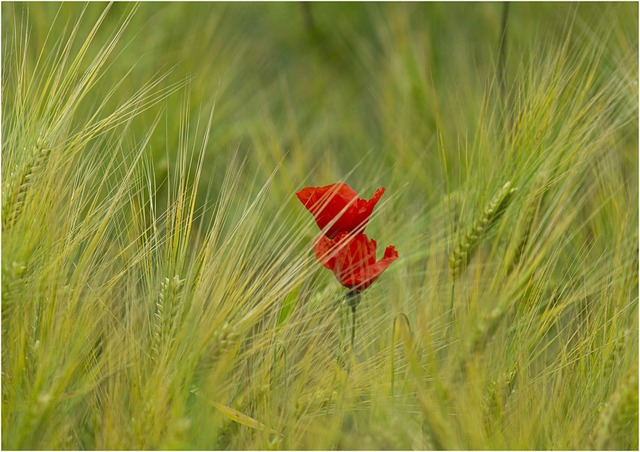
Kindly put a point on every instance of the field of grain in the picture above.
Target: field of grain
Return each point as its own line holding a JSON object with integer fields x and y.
{"x": 159, "y": 284}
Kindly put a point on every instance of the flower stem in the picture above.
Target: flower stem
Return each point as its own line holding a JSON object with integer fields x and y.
{"x": 343, "y": 329}
{"x": 353, "y": 298}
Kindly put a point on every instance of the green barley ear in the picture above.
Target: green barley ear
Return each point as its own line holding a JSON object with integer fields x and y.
{"x": 484, "y": 329}
{"x": 19, "y": 185}
{"x": 495, "y": 397}
{"x": 616, "y": 352}
{"x": 12, "y": 281}
{"x": 464, "y": 251}
{"x": 167, "y": 309}
{"x": 525, "y": 232}
{"x": 525, "y": 225}
{"x": 221, "y": 340}
{"x": 619, "y": 415}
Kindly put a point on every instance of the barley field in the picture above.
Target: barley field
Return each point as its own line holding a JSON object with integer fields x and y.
{"x": 160, "y": 288}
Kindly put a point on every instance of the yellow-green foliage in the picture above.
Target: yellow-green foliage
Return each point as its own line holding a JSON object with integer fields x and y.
{"x": 159, "y": 287}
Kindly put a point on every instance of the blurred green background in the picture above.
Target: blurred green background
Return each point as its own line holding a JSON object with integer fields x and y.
{"x": 401, "y": 86}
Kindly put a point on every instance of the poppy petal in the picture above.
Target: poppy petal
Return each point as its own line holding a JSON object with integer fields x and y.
{"x": 365, "y": 209}
{"x": 337, "y": 208}
{"x": 326, "y": 251}
{"x": 352, "y": 258}
{"x": 363, "y": 277}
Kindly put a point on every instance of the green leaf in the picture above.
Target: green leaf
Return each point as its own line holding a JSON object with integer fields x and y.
{"x": 288, "y": 305}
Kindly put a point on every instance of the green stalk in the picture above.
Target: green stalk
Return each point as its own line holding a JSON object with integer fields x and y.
{"x": 353, "y": 298}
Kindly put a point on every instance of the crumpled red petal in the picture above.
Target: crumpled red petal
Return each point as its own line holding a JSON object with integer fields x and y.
{"x": 352, "y": 258}
{"x": 337, "y": 207}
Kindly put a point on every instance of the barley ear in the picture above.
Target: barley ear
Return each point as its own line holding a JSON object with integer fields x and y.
{"x": 618, "y": 415}
{"x": 166, "y": 311}
{"x": 495, "y": 397}
{"x": 12, "y": 280}
{"x": 522, "y": 234}
{"x": 494, "y": 210}
{"x": 219, "y": 343}
{"x": 481, "y": 334}
{"x": 19, "y": 185}
{"x": 523, "y": 230}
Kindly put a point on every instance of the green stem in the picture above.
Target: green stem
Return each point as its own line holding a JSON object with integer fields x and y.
{"x": 353, "y": 298}
{"x": 343, "y": 327}
{"x": 393, "y": 357}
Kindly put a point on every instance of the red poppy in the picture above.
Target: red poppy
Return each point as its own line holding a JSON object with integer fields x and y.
{"x": 337, "y": 207}
{"x": 352, "y": 258}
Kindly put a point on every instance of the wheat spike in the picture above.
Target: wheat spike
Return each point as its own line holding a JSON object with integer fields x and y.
{"x": 620, "y": 411}
{"x": 167, "y": 309}
{"x": 496, "y": 394}
{"x": 464, "y": 251}
{"x": 617, "y": 352}
{"x": 222, "y": 339}
{"x": 12, "y": 277}
{"x": 19, "y": 185}
{"x": 526, "y": 224}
